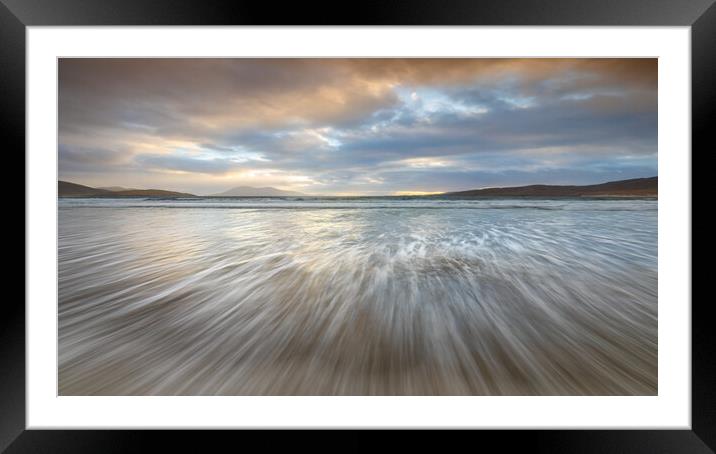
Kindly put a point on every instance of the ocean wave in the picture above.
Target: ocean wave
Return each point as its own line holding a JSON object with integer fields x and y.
{"x": 503, "y": 301}
{"x": 267, "y": 203}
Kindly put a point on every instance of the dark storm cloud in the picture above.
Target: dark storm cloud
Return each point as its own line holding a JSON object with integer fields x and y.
{"x": 357, "y": 125}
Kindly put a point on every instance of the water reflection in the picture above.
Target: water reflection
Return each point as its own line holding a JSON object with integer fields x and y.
{"x": 170, "y": 298}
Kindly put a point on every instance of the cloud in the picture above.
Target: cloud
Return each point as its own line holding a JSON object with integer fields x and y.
{"x": 186, "y": 164}
{"x": 356, "y": 125}
{"x": 81, "y": 159}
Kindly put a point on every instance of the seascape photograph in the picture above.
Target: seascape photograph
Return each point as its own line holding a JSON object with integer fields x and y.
{"x": 357, "y": 226}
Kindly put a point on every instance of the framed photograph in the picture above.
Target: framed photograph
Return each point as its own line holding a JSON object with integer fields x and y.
{"x": 467, "y": 216}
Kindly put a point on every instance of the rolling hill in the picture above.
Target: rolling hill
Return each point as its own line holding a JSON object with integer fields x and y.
{"x": 637, "y": 187}
{"x": 116, "y": 188}
{"x": 248, "y": 191}
{"x": 67, "y": 189}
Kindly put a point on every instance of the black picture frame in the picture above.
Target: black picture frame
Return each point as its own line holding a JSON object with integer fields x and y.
{"x": 16, "y": 15}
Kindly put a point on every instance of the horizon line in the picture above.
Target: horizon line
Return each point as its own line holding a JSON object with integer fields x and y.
{"x": 397, "y": 193}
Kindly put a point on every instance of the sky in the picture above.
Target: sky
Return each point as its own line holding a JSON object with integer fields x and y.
{"x": 355, "y": 126}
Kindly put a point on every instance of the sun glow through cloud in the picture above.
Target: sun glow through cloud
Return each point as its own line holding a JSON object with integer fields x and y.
{"x": 358, "y": 126}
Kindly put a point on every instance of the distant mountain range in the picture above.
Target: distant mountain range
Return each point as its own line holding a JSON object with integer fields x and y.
{"x": 637, "y": 187}
{"x": 67, "y": 189}
{"x": 248, "y": 191}
{"x": 116, "y": 188}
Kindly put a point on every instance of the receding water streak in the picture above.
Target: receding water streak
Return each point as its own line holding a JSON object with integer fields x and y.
{"x": 357, "y": 296}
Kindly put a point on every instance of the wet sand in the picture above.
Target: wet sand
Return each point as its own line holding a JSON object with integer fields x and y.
{"x": 513, "y": 299}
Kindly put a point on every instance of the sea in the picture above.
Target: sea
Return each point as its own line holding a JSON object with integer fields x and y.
{"x": 357, "y": 296}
